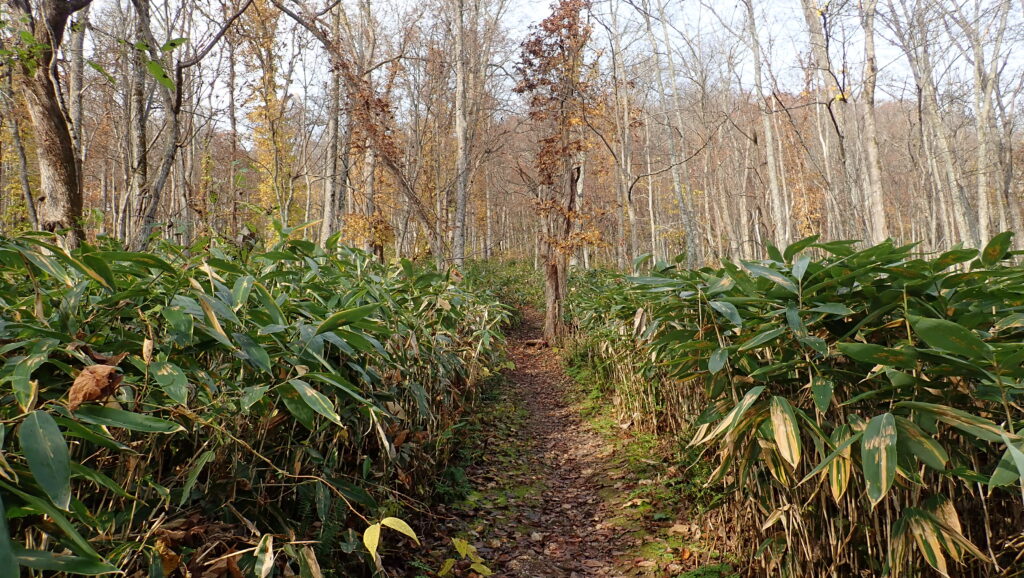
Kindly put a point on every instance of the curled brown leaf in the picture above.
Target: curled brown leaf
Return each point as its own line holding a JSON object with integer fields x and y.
{"x": 93, "y": 383}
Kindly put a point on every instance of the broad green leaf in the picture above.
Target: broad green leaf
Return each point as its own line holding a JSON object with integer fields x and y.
{"x": 47, "y": 455}
{"x": 879, "y": 355}
{"x": 264, "y": 556}
{"x": 977, "y": 426}
{"x": 346, "y": 317}
{"x": 822, "y": 391}
{"x": 113, "y": 417}
{"x": 72, "y": 539}
{"x": 100, "y": 479}
{"x": 8, "y": 562}
{"x": 800, "y": 267}
{"x": 996, "y": 249}
{"x": 831, "y": 308}
{"x": 251, "y": 395}
{"x": 786, "y": 431}
{"x": 795, "y": 322}
{"x": 172, "y": 44}
{"x": 40, "y": 560}
{"x": 762, "y": 338}
{"x": 400, "y": 526}
{"x": 147, "y": 260}
{"x": 718, "y": 360}
{"x": 728, "y": 310}
{"x": 299, "y": 409}
{"x": 254, "y": 351}
{"x": 798, "y": 246}
{"x": 951, "y": 337}
{"x": 778, "y": 277}
{"x": 317, "y": 401}
{"x": 172, "y": 380}
{"x": 100, "y": 268}
{"x": 1009, "y": 470}
{"x": 156, "y": 70}
{"x": 878, "y": 456}
{"x": 912, "y": 438}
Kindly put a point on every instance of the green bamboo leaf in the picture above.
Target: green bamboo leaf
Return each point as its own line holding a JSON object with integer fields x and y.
{"x": 1011, "y": 467}
{"x": 40, "y": 560}
{"x": 977, "y": 426}
{"x": 778, "y": 277}
{"x": 785, "y": 429}
{"x": 913, "y": 439}
{"x": 762, "y": 338}
{"x": 832, "y": 308}
{"x": 264, "y": 556}
{"x": 8, "y": 561}
{"x": 193, "y": 476}
{"x": 728, "y": 310}
{"x": 798, "y": 246}
{"x": 718, "y": 360}
{"x": 346, "y": 317}
{"x": 100, "y": 267}
{"x": 822, "y": 391}
{"x": 172, "y": 380}
{"x": 949, "y": 336}
{"x": 255, "y": 352}
{"x": 928, "y": 542}
{"x": 71, "y": 538}
{"x": 878, "y": 456}
{"x": 47, "y": 455}
{"x": 100, "y": 479}
{"x": 800, "y": 267}
{"x": 113, "y": 417}
{"x": 317, "y": 401}
{"x": 839, "y": 468}
{"x": 147, "y": 260}
{"x": 953, "y": 257}
{"x": 879, "y": 355}
{"x": 997, "y": 248}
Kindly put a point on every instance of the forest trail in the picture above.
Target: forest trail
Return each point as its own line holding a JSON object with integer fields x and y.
{"x": 551, "y": 495}
{"x": 566, "y": 532}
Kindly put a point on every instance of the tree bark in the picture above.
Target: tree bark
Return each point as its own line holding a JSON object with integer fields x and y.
{"x": 59, "y": 204}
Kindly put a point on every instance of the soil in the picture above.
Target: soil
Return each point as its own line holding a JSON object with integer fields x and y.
{"x": 550, "y": 495}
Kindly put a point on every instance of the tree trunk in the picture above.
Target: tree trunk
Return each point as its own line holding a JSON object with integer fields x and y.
{"x": 59, "y": 204}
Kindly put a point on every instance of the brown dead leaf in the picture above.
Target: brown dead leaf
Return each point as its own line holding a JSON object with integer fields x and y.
{"x": 93, "y": 383}
{"x": 102, "y": 358}
{"x": 169, "y": 559}
{"x": 147, "y": 350}
{"x": 400, "y": 438}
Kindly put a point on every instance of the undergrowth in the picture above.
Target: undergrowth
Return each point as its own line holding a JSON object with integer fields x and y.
{"x": 211, "y": 411}
{"x": 862, "y": 407}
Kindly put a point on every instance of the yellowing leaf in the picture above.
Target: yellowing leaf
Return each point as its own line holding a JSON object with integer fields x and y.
{"x": 787, "y": 433}
{"x": 401, "y": 526}
{"x": 371, "y": 539}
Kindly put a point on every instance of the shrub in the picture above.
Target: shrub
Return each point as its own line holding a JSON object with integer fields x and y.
{"x": 184, "y": 408}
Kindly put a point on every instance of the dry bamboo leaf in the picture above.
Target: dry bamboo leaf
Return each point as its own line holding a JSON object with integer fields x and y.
{"x": 93, "y": 383}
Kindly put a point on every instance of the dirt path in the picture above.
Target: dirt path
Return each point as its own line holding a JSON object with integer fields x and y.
{"x": 565, "y": 532}
{"x": 548, "y": 494}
